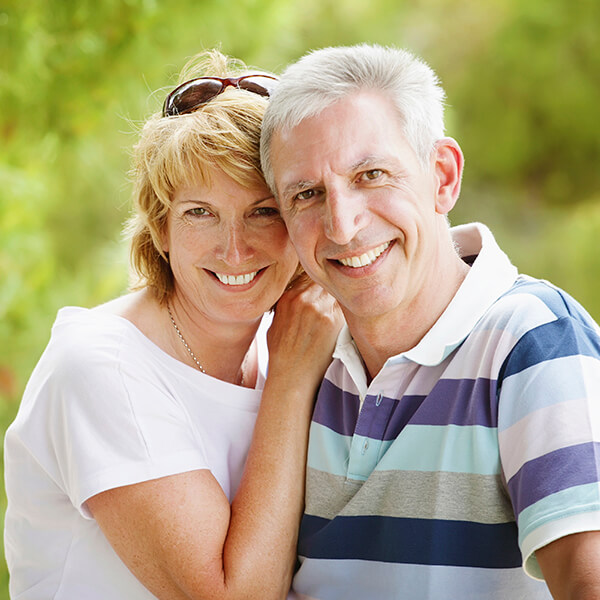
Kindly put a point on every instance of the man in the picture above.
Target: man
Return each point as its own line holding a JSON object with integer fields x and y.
{"x": 455, "y": 443}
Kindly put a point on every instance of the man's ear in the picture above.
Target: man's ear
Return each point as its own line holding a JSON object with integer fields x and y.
{"x": 448, "y": 167}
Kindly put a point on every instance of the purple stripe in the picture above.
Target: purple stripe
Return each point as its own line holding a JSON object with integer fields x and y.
{"x": 336, "y": 409}
{"x": 553, "y": 472}
{"x": 460, "y": 402}
{"x": 385, "y": 418}
{"x": 452, "y": 401}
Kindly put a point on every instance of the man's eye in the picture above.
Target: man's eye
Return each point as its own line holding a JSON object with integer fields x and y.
{"x": 373, "y": 174}
{"x": 305, "y": 195}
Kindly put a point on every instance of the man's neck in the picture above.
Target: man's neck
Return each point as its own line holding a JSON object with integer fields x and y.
{"x": 384, "y": 336}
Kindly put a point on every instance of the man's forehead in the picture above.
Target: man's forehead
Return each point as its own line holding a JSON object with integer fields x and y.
{"x": 356, "y": 131}
{"x": 369, "y": 102}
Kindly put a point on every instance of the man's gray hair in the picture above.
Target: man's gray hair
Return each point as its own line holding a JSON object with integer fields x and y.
{"x": 325, "y": 76}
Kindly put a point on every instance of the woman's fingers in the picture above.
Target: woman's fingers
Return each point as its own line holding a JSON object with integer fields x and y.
{"x": 305, "y": 328}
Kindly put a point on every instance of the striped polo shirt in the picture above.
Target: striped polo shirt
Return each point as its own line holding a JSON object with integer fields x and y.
{"x": 440, "y": 478}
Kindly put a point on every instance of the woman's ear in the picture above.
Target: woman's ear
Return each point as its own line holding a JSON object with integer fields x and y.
{"x": 448, "y": 168}
{"x": 164, "y": 241}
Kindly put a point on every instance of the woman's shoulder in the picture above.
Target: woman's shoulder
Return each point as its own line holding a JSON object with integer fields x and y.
{"x": 81, "y": 361}
{"x": 81, "y": 338}
{"x": 76, "y": 324}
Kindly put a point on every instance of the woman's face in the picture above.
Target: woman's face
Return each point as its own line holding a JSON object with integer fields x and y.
{"x": 228, "y": 248}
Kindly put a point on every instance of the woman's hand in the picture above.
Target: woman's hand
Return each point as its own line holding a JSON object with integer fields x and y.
{"x": 180, "y": 536}
{"x": 303, "y": 334}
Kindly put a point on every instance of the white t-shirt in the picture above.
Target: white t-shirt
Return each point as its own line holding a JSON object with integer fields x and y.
{"x": 106, "y": 407}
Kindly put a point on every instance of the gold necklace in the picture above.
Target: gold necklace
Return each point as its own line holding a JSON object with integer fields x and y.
{"x": 191, "y": 353}
{"x": 184, "y": 342}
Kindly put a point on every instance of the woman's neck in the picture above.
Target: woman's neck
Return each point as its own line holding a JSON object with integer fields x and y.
{"x": 223, "y": 350}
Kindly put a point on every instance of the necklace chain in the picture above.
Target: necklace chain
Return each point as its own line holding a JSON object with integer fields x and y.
{"x": 190, "y": 351}
{"x": 184, "y": 342}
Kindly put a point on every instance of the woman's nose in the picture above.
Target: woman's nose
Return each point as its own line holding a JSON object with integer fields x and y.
{"x": 235, "y": 247}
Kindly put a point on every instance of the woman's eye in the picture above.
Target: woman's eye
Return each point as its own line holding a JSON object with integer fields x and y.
{"x": 197, "y": 212}
{"x": 267, "y": 211}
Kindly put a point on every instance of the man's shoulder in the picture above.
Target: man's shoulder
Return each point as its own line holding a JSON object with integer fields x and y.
{"x": 537, "y": 322}
{"x": 530, "y": 303}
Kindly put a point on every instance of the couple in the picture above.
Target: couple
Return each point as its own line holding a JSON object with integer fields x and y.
{"x": 454, "y": 442}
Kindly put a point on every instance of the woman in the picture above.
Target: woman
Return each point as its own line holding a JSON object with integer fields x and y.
{"x": 124, "y": 464}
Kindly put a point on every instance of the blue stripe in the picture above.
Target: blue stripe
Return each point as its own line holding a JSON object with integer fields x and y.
{"x": 553, "y": 472}
{"x": 557, "y": 339}
{"x": 331, "y": 452}
{"x": 411, "y": 541}
{"x": 328, "y": 451}
{"x": 452, "y": 449}
{"x": 574, "y": 500}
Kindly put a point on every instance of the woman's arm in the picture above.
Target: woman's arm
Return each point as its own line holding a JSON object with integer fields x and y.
{"x": 180, "y": 536}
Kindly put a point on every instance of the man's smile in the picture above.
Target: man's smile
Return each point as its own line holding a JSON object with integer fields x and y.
{"x": 366, "y": 258}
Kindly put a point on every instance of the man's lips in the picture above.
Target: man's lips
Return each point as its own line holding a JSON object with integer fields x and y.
{"x": 365, "y": 259}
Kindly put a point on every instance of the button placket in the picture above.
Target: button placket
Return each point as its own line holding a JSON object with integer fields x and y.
{"x": 367, "y": 440}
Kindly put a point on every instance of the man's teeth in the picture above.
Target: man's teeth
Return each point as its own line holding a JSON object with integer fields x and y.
{"x": 236, "y": 279}
{"x": 364, "y": 259}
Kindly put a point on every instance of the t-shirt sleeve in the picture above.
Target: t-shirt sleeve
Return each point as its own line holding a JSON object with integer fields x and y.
{"x": 549, "y": 433}
{"x": 113, "y": 423}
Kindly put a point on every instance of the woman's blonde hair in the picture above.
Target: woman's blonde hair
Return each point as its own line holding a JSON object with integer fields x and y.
{"x": 175, "y": 150}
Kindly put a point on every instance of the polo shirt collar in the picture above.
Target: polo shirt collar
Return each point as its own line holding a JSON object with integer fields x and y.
{"x": 491, "y": 275}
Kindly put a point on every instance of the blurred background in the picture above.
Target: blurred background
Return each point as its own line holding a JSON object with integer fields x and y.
{"x": 78, "y": 77}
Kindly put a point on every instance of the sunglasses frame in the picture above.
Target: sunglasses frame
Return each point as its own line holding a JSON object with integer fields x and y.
{"x": 170, "y": 104}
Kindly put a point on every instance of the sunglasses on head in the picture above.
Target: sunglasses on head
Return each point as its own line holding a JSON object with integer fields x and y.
{"x": 188, "y": 96}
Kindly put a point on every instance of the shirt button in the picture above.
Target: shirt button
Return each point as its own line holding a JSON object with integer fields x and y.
{"x": 365, "y": 447}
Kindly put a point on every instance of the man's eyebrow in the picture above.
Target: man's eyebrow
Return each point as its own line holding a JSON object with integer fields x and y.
{"x": 297, "y": 186}
{"x": 369, "y": 161}
{"x": 373, "y": 159}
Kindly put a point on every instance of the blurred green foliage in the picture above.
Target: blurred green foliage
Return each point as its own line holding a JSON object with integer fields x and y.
{"x": 77, "y": 77}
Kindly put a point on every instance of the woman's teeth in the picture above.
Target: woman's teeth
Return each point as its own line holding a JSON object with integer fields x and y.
{"x": 236, "y": 279}
{"x": 364, "y": 259}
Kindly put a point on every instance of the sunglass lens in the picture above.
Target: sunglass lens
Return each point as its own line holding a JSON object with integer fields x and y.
{"x": 193, "y": 95}
{"x": 258, "y": 85}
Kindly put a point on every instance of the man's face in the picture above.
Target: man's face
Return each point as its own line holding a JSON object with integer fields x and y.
{"x": 361, "y": 210}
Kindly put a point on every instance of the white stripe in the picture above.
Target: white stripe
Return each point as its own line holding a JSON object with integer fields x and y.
{"x": 489, "y": 348}
{"x": 548, "y": 383}
{"x": 551, "y": 428}
{"x": 365, "y": 580}
{"x": 552, "y": 531}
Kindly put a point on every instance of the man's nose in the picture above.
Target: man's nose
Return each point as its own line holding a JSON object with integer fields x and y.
{"x": 345, "y": 216}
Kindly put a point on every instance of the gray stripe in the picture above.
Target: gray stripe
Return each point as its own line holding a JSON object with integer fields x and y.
{"x": 410, "y": 494}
